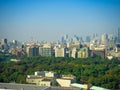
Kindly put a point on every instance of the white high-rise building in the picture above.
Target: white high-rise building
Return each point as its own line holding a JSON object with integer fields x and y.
{"x": 104, "y": 38}
{"x": 74, "y": 52}
{"x": 60, "y": 52}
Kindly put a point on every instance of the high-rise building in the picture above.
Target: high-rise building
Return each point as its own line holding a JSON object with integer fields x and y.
{"x": 4, "y": 45}
{"x": 88, "y": 39}
{"x": 83, "y": 53}
{"x": 46, "y": 50}
{"x": 60, "y": 52}
{"x": 14, "y": 42}
{"x": 32, "y": 50}
{"x": 118, "y": 35}
{"x": 104, "y": 38}
{"x": 74, "y": 52}
{"x": 4, "y": 41}
{"x": 64, "y": 39}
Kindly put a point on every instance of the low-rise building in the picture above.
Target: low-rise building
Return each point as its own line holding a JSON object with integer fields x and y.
{"x": 66, "y": 80}
{"x": 87, "y": 87}
{"x": 42, "y": 78}
{"x": 41, "y": 81}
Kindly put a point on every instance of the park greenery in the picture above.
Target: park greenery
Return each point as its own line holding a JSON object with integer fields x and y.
{"x": 95, "y": 71}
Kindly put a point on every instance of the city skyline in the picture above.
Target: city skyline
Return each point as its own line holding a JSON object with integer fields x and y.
{"x": 49, "y": 20}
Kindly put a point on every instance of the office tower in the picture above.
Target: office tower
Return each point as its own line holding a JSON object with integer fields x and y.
{"x": 83, "y": 53}
{"x": 118, "y": 35}
{"x": 32, "y": 50}
{"x": 46, "y": 50}
{"x": 4, "y": 41}
{"x": 14, "y": 42}
{"x": 104, "y": 39}
{"x": 74, "y": 53}
{"x": 64, "y": 39}
{"x": 80, "y": 39}
{"x": 75, "y": 38}
{"x": 110, "y": 37}
{"x": 4, "y": 45}
{"x": 88, "y": 39}
{"x": 60, "y": 52}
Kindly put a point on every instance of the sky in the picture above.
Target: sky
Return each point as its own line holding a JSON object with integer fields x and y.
{"x": 49, "y": 20}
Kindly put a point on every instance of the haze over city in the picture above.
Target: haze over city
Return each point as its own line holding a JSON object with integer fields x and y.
{"x": 50, "y": 19}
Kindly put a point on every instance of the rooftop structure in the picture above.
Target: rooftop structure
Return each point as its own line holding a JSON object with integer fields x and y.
{"x": 87, "y": 87}
{"x": 14, "y": 86}
{"x": 42, "y": 78}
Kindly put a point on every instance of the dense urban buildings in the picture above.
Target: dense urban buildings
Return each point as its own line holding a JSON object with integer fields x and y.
{"x": 103, "y": 46}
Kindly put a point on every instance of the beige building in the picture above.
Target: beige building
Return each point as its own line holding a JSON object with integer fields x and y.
{"x": 41, "y": 81}
{"x": 66, "y": 80}
{"x": 45, "y": 78}
{"x": 74, "y": 53}
{"x": 83, "y": 53}
{"x": 60, "y": 52}
{"x": 32, "y": 50}
{"x": 75, "y": 45}
{"x": 42, "y": 78}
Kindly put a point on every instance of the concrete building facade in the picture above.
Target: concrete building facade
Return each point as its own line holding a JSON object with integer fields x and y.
{"x": 60, "y": 52}
{"x": 83, "y": 53}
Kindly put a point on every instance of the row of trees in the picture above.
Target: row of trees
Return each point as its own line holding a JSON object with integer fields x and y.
{"x": 97, "y": 71}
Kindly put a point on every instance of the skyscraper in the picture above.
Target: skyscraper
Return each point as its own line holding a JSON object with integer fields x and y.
{"x": 64, "y": 38}
{"x": 46, "y": 50}
{"x": 32, "y": 50}
{"x": 60, "y": 52}
{"x": 4, "y": 45}
{"x": 104, "y": 38}
{"x": 4, "y": 41}
{"x": 118, "y": 35}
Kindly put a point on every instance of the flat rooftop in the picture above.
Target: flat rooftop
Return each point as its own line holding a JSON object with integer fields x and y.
{"x": 14, "y": 86}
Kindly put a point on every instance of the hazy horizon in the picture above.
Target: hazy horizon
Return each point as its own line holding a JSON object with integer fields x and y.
{"x": 50, "y": 19}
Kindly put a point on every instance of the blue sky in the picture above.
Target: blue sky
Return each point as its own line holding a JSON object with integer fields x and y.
{"x": 50, "y": 19}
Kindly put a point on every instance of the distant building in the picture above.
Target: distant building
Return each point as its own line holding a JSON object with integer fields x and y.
{"x": 92, "y": 46}
{"x": 74, "y": 53}
{"x": 118, "y": 35}
{"x": 75, "y": 45}
{"x": 88, "y": 39}
{"x": 83, "y": 53}
{"x": 46, "y": 50}
{"x": 98, "y": 53}
{"x": 64, "y": 39}
{"x": 104, "y": 39}
{"x": 60, "y": 52}
{"x": 32, "y": 50}
{"x": 14, "y": 42}
{"x": 4, "y": 45}
{"x": 4, "y": 41}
